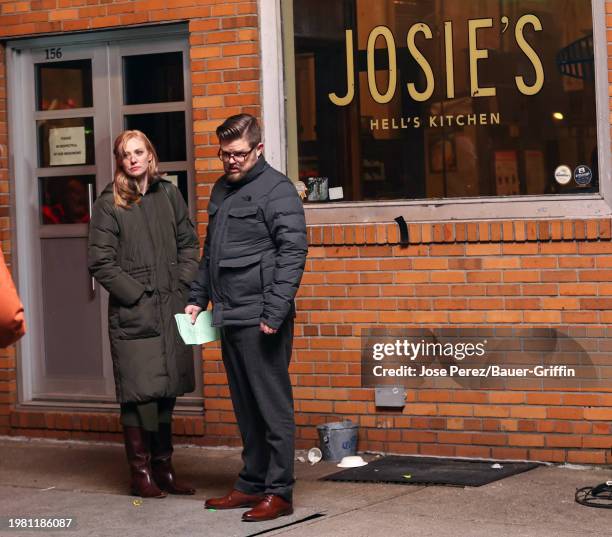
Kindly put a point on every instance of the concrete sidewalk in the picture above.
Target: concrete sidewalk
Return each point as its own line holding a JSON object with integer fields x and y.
{"x": 89, "y": 483}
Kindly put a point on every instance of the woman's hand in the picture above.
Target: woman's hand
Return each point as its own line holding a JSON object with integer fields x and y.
{"x": 193, "y": 310}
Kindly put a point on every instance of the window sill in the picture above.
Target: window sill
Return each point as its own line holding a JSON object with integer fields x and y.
{"x": 459, "y": 209}
{"x": 484, "y": 231}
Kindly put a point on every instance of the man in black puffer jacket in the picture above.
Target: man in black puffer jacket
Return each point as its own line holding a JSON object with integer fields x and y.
{"x": 254, "y": 256}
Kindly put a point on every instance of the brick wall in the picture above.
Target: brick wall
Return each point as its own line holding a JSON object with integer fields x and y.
{"x": 528, "y": 273}
{"x": 536, "y": 273}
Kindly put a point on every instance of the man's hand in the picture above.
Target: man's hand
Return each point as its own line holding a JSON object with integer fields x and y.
{"x": 266, "y": 329}
{"x": 193, "y": 310}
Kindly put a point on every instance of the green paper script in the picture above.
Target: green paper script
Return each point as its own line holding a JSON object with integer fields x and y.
{"x": 198, "y": 333}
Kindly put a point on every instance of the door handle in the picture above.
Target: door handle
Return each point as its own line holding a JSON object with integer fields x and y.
{"x": 90, "y": 188}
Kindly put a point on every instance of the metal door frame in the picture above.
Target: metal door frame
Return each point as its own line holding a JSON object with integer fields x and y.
{"x": 23, "y": 155}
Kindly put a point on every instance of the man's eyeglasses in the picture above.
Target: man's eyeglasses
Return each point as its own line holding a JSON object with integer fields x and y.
{"x": 240, "y": 156}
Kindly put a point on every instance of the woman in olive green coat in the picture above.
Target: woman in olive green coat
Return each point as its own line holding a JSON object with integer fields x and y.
{"x": 144, "y": 251}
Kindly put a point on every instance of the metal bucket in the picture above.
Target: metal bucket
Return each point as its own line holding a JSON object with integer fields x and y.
{"x": 338, "y": 439}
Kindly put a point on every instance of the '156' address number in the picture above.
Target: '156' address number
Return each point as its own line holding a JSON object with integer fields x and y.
{"x": 53, "y": 53}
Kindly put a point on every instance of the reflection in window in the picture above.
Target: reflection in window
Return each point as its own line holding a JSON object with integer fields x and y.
{"x": 445, "y": 99}
{"x": 153, "y": 78}
{"x": 166, "y": 130}
{"x": 63, "y": 85}
{"x": 66, "y": 142}
{"x": 179, "y": 179}
{"x": 65, "y": 200}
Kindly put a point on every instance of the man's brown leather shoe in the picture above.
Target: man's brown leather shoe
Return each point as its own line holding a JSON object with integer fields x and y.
{"x": 233, "y": 500}
{"x": 272, "y": 506}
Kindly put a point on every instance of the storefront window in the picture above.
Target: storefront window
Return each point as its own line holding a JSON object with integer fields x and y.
{"x": 396, "y": 99}
{"x": 63, "y": 85}
{"x": 66, "y": 200}
{"x": 66, "y": 142}
{"x": 166, "y": 131}
{"x": 153, "y": 78}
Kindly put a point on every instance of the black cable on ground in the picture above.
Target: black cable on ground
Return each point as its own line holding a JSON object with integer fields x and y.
{"x": 598, "y": 496}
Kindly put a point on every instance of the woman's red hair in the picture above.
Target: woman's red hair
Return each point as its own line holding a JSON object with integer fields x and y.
{"x": 125, "y": 188}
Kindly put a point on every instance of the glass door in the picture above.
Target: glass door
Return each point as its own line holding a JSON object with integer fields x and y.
{"x": 66, "y": 158}
{"x": 72, "y": 95}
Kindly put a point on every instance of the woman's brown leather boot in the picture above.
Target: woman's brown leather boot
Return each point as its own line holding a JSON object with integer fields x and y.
{"x": 161, "y": 462}
{"x": 137, "y": 448}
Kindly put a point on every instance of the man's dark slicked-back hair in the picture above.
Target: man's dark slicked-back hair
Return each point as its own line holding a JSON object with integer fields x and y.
{"x": 235, "y": 127}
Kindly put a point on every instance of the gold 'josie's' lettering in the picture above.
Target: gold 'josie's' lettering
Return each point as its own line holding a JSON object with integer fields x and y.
{"x": 450, "y": 64}
{"x": 417, "y": 95}
{"x": 475, "y": 56}
{"x": 350, "y": 74}
{"x": 383, "y": 31}
{"x": 530, "y": 53}
{"x": 478, "y": 54}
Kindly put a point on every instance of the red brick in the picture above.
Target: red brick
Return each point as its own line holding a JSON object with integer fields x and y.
{"x": 526, "y": 439}
{"x": 586, "y": 457}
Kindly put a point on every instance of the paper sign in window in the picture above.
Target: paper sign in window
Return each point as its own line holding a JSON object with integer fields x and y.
{"x": 173, "y": 179}
{"x": 506, "y": 173}
{"x": 67, "y": 146}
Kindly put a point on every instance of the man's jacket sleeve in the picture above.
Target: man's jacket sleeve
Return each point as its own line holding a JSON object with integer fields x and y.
{"x": 186, "y": 242}
{"x": 200, "y": 293}
{"x": 285, "y": 219}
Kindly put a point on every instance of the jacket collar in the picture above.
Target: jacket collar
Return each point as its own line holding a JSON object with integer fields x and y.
{"x": 251, "y": 175}
{"x": 154, "y": 183}
{"x": 155, "y": 180}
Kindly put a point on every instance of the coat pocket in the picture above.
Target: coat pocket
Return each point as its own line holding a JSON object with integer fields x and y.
{"x": 241, "y": 279}
{"x": 245, "y": 224}
{"x": 243, "y": 212}
{"x": 141, "y": 320}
